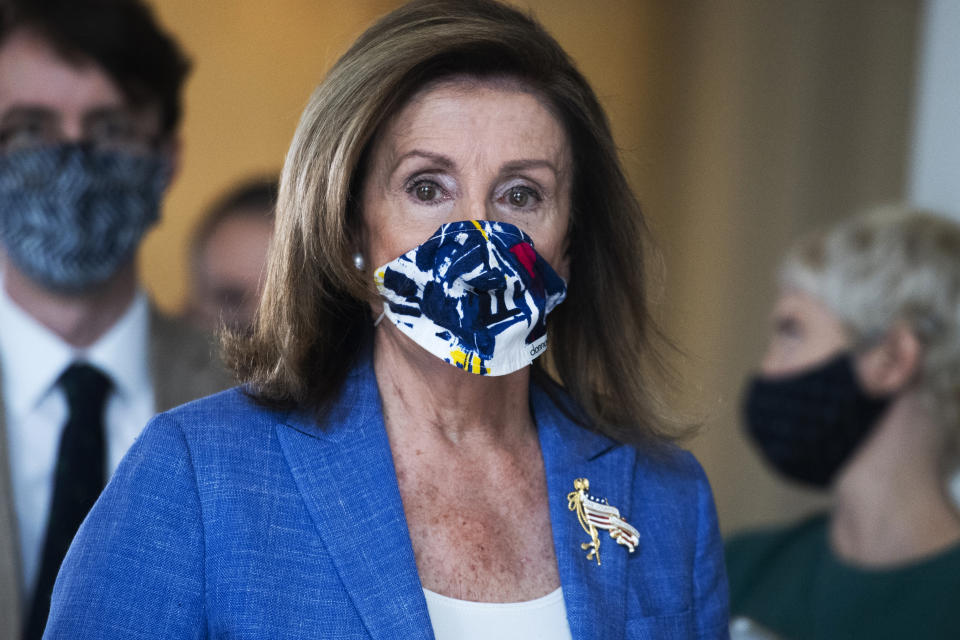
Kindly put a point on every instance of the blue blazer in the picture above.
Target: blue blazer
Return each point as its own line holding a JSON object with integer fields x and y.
{"x": 228, "y": 520}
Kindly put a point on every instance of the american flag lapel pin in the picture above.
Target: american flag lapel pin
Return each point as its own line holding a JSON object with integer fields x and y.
{"x": 595, "y": 514}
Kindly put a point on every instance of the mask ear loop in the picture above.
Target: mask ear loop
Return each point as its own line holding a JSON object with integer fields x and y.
{"x": 379, "y": 318}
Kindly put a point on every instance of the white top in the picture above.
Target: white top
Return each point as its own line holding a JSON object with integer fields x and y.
{"x": 33, "y": 358}
{"x": 541, "y": 619}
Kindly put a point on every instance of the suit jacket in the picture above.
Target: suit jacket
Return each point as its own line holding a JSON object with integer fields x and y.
{"x": 183, "y": 368}
{"x": 228, "y": 520}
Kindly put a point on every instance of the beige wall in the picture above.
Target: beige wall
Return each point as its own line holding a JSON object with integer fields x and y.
{"x": 782, "y": 116}
{"x": 741, "y": 123}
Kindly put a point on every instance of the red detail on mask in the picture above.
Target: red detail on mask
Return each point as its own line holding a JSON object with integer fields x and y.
{"x": 527, "y": 257}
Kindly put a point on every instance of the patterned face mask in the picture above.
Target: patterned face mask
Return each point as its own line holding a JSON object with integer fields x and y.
{"x": 475, "y": 294}
{"x": 71, "y": 216}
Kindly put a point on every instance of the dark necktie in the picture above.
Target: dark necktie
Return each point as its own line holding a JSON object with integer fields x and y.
{"x": 79, "y": 477}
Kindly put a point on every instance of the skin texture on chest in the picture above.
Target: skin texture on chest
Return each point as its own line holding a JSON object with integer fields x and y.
{"x": 479, "y": 521}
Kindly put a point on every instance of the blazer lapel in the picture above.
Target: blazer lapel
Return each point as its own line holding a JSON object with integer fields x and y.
{"x": 595, "y": 595}
{"x": 10, "y": 595}
{"x": 346, "y": 476}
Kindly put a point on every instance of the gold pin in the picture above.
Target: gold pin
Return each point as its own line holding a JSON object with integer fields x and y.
{"x": 596, "y": 514}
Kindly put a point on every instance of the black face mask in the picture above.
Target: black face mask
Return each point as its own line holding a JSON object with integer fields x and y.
{"x": 807, "y": 425}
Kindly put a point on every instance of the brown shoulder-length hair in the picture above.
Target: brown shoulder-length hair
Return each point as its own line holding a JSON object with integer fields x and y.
{"x": 314, "y": 318}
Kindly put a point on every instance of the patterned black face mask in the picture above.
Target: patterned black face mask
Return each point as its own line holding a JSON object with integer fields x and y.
{"x": 807, "y": 425}
{"x": 71, "y": 216}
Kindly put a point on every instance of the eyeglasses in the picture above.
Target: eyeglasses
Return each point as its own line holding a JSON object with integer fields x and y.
{"x": 24, "y": 128}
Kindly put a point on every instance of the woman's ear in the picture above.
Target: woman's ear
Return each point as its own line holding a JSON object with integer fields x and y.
{"x": 892, "y": 364}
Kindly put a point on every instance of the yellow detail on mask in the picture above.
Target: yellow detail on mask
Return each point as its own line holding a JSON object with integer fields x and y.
{"x": 378, "y": 277}
{"x": 469, "y": 362}
{"x": 477, "y": 225}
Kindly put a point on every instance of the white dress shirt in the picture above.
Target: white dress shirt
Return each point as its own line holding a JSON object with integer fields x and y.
{"x": 36, "y": 408}
{"x": 541, "y": 619}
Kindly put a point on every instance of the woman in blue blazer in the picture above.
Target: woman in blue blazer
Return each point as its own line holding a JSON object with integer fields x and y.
{"x": 398, "y": 462}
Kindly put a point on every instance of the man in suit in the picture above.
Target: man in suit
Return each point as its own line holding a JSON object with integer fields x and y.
{"x": 89, "y": 108}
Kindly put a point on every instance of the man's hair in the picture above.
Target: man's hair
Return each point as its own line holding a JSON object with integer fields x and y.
{"x": 120, "y": 36}
{"x": 251, "y": 195}
{"x": 314, "y": 317}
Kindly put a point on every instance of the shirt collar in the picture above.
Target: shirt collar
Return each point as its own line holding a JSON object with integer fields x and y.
{"x": 31, "y": 350}
{"x": 39, "y": 356}
{"x": 122, "y": 352}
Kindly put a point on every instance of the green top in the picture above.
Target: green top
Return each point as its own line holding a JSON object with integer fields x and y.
{"x": 789, "y": 581}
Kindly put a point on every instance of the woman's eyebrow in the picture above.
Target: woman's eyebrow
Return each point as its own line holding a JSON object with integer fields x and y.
{"x": 444, "y": 162}
{"x": 520, "y": 165}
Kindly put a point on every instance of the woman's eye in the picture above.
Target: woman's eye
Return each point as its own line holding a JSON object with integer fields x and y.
{"x": 426, "y": 192}
{"x": 522, "y": 197}
{"x": 519, "y": 198}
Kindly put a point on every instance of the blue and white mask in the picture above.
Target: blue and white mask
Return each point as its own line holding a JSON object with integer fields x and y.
{"x": 475, "y": 294}
{"x": 71, "y": 215}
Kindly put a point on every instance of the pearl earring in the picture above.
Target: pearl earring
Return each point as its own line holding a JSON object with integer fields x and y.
{"x": 358, "y": 261}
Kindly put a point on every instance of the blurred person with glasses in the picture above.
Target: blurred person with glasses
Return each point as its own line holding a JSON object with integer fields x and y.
{"x": 89, "y": 109}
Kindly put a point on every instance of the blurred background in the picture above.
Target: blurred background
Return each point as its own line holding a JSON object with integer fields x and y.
{"x": 742, "y": 123}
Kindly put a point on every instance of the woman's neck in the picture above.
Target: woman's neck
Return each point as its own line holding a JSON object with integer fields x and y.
{"x": 891, "y": 505}
{"x": 428, "y": 398}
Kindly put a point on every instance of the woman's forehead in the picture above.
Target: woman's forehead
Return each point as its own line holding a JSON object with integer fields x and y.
{"x": 469, "y": 116}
